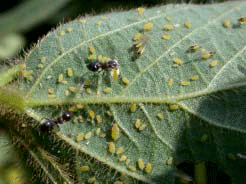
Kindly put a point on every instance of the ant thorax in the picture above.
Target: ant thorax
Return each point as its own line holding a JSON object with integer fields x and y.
{"x": 110, "y": 65}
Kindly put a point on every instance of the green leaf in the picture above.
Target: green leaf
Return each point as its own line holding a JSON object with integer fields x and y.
{"x": 167, "y": 104}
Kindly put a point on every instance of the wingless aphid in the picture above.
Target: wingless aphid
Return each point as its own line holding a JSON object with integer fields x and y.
{"x": 139, "y": 46}
{"x": 242, "y": 20}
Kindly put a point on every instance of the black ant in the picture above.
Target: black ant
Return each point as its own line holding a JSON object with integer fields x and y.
{"x": 111, "y": 65}
{"x": 49, "y": 125}
{"x": 97, "y": 66}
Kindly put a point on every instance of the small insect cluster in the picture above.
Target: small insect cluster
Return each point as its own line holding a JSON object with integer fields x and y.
{"x": 227, "y": 23}
{"x": 49, "y": 125}
{"x": 204, "y": 54}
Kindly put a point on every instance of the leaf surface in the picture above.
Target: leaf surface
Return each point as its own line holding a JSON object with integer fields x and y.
{"x": 208, "y": 123}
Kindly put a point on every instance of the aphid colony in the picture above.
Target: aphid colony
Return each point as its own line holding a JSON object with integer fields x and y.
{"x": 49, "y": 125}
{"x": 205, "y": 55}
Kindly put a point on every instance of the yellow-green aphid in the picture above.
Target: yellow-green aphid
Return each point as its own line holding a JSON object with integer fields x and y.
{"x": 107, "y": 90}
{"x": 125, "y": 81}
{"x": 92, "y": 50}
{"x": 91, "y": 114}
{"x": 102, "y": 135}
{"x": 72, "y": 108}
{"x": 207, "y": 55}
{"x": 165, "y": 37}
{"x": 138, "y": 123}
{"x": 148, "y": 168}
{"x": 67, "y": 93}
{"x": 80, "y": 106}
{"x": 140, "y": 164}
{"x": 142, "y": 127}
{"x": 170, "y": 82}
{"x": 100, "y": 58}
{"x": 115, "y": 132}
{"x": 109, "y": 113}
{"x": 227, "y": 23}
{"x": 139, "y": 51}
{"x": 105, "y": 59}
{"x": 141, "y": 41}
{"x": 127, "y": 162}
{"x": 87, "y": 84}
{"x": 195, "y": 77}
{"x": 115, "y": 73}
{"x": 136, "y": 37}
{"x": 61, "y": 80}
{"x": 188, "y": 24}
{"x": 159, "y": 116}
{"x": 73, "y": 89}
{"x": 43, "y": 60}
{"x": 168, "y": 18}
{"x": 69, "y": 30}
{"x": 140, "y": 11}
{"x": 84, "y": 169}
{"x": 193, "y": 48}
{"x": 139, "y": 45}
{"x": 80, "y": 137}
{"x": 88, "y": 135}
{"x": 51, "y": 91}
{"x": 69, "y": 72}
{"x": 122, "y": 158}
{"x": 213, "y": 63}
{"x": 242, "y": 20}
{"x": 111, "y": 147}
{"x": 99, "y": 119}
{"x": 78, "y": 119}
{"x": 132, "y": 168}
{"x": 178, "y": 61}
{"x": 62, "y": 33}
{"x": 27, "y": 74}
{"x": 148, "y": 27}
{"x": 185, "y": 83}
{"x": 98, "y": 131}
{"x": 174, "y": 107}
{"x": 168, "y": 27}
{"x": 133, "y": 108}
{"x": 92, "y": 57}
{"x": 119, "y": 151}
{"x": 88, "y": 91}
{"x": 91, "y": 180}
{"x": 40, "y": 66}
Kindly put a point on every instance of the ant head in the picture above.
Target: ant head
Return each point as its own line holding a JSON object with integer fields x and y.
{"x": 95, "y": 66}
{"x": 66, "y": 116}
